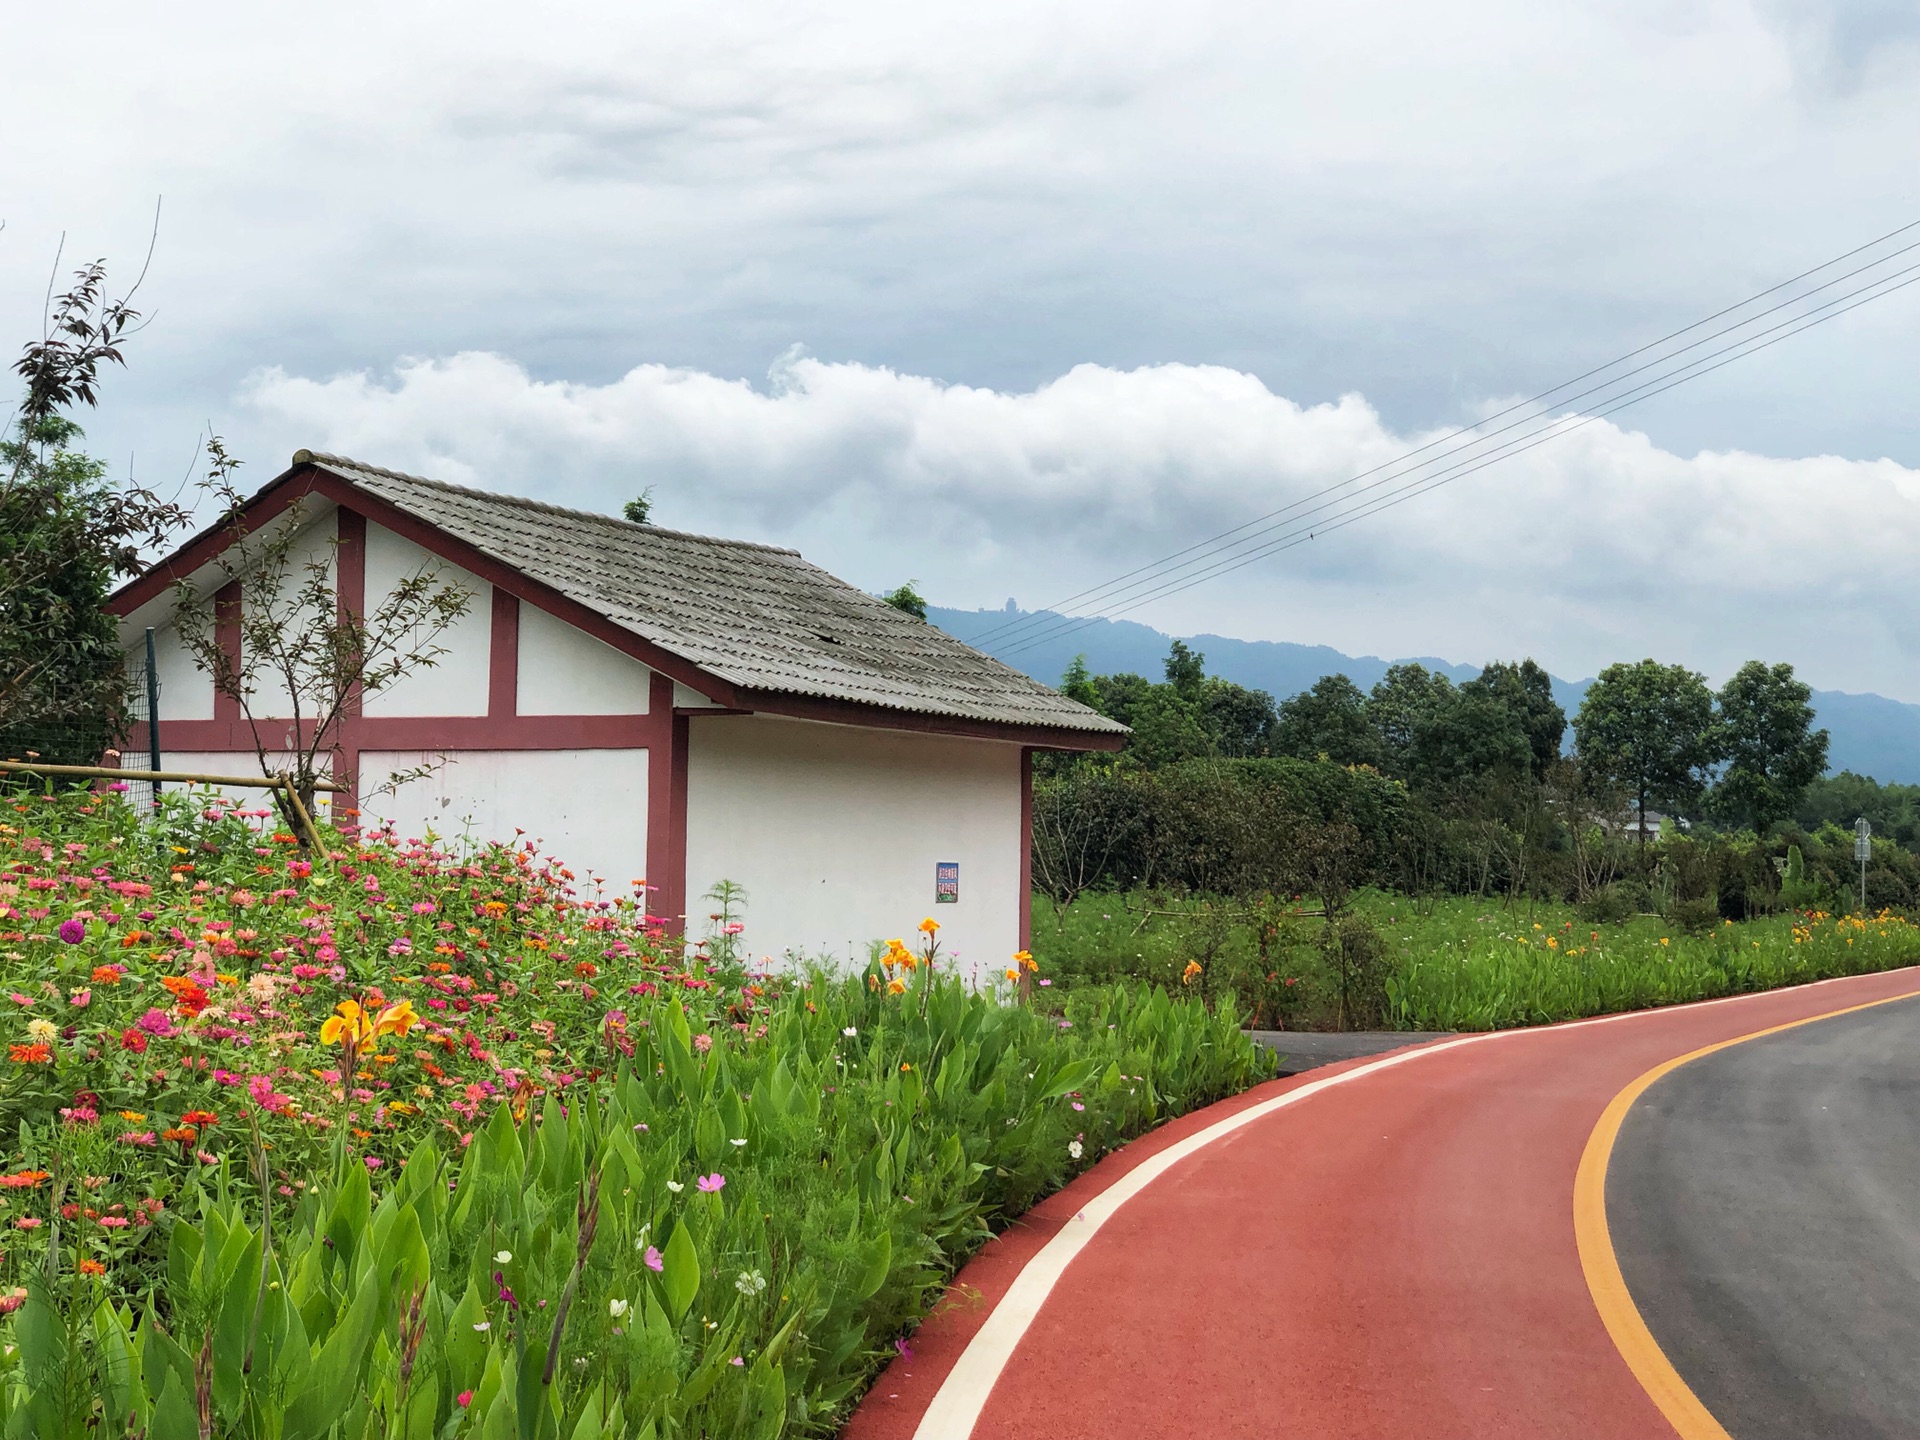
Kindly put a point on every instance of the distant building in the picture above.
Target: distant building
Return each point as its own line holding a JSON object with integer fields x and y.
{"x": 659, "y": 706}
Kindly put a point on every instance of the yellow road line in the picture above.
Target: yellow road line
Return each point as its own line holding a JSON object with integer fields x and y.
{"x": 1690, "y": 1419}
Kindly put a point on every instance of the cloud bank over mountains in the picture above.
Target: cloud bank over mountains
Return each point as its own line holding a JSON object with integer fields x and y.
{"x": 1594, "y": 547}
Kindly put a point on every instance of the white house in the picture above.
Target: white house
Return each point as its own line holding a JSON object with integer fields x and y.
{"x": 658, "y": 706}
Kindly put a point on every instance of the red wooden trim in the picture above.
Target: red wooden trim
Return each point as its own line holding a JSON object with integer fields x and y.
{"x": 268, "y": 505}
{"x": 503, "y": 659}
{"x": 666, "y": 807}
{"x": 226, "y": 635}
{"x": 676, "y": 887}
{"x": 1026, "y": 851}
{"x": 848, "y": 712}
{"x": 437, "y": 732}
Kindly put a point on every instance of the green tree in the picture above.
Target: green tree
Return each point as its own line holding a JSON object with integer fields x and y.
{"x": 66, "y": 533}
{"x": 1526, "y": 690}
{"x": 640, "y": 509}
{"x": 1186, "y": 668}
{"x": 1648, "y": 728}
{"x": 1329, "y": 718}
{"x": 907, "y": 599}
{"x": 1765, "y": 734}
{"x": 1466, "y": 737}
{"x": 1403, "y": 700}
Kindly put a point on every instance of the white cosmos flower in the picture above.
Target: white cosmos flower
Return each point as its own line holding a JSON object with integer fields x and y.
{"x": 739, "y": 1142}
{"x": 616, "y": 1308}
{"x": 484, "y": 1325}
{"x": 502, "y": 1257}
{"x": 675, "y": 1186}
{"x": 850, "y": 1032}
{"x": 1074, "y": 1148}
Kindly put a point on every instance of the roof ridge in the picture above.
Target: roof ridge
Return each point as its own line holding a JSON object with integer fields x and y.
{"x": 321, "y": 457}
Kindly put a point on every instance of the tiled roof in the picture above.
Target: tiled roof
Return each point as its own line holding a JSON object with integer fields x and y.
{"x": 758, "y": 617}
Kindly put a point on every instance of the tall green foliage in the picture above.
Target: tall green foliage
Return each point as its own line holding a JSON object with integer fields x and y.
{"x": 1648, "y": 728}
{"x": 66, "y": 532}
{"x": 1766, "y": 737}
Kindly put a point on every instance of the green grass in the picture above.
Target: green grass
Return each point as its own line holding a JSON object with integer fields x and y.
{"x": 1456, "y": 963}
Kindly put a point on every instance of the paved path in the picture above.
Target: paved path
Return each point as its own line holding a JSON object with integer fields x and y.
{"x": 1765, "y": 1208}
{"x": 1380, "y": 1248}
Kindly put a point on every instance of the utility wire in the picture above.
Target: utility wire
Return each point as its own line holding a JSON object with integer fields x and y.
{"x": 1105, "y": 591}
{"x": 1132, "y": 591}
{"x": 1422, "y": 484}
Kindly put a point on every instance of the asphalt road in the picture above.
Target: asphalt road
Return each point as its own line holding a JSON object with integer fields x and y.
{"x": 1764, "y": 1203}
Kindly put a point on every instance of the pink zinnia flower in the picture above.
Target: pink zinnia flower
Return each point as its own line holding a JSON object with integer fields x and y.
{"x": 155, "y": 1022}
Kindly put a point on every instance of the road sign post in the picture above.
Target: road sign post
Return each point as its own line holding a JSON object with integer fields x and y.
{"x": 1863, "y": 852}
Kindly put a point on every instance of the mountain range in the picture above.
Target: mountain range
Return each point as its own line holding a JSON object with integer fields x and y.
{"x": 1869, "y": 734}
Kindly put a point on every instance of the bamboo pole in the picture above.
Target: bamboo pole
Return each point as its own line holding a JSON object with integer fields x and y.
{"x": 102, "y": 772}
{"x": 300, "y": 809}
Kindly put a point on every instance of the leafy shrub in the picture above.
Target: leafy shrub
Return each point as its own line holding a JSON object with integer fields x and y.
{"x": 1358, "y": 962}
{"x": 1614, "y": 903}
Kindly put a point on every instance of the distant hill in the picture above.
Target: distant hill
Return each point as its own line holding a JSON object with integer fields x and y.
{"x": 1871, "y": 735}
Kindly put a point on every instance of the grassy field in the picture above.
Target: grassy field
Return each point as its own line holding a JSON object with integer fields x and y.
{"x": 1452, "y": 964}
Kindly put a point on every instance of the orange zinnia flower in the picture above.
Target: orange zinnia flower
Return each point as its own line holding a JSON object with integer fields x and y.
{"x": 92, "y": 1267}
{"x": 38, "y": 1053}
{"x": 199, "y": 1117}
{"x": 185, "y": 1134}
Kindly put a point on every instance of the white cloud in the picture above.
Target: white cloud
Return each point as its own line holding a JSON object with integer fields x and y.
{"x": 1595, "y": 547}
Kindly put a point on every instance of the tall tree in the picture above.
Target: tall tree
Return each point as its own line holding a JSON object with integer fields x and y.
{"x": 1329, "y": 718}
{"x": 1403, "y": 700}
{"x": 1649, "y": 729}
{"x": 66, "y": 533}
{"x": 1526, "y": 690}
{"x": 1766, "y": 736}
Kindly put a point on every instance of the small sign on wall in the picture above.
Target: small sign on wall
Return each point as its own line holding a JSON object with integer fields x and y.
{"x": 946, "y": 882}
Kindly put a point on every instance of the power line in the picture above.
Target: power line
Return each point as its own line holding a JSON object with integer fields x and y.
{"x": 1478, "y": 462}
{"x": 1422, "y": 484}
{"x": 1147, "y": 573}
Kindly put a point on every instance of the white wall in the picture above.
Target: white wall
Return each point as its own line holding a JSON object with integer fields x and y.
{"x": 314, "y": 544}
{"x": 564, "y": 671}
{"x": 457, "y": 682}
{"x": 186, "y": 691}
{"x": 835, "y": 832}
{"x": 588, "y": 808}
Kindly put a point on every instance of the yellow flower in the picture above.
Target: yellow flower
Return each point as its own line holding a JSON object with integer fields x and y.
{"x": 349, "y": 1025}
{"x": 928, "y": 925}
{"x": 1013, "y": 974}
{"x": 1192, "y": 971}
{"x": 396, "y": 1019}
{"x": 896, "y": 987}
{"x": 1663, "y": 939}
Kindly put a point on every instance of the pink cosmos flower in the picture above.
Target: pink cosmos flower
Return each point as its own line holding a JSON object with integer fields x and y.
{"x": 653, "y": 1260}
{"x": 709, "y": 1184}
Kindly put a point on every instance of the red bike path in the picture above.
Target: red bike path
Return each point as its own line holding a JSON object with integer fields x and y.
{"x": 1389, "y": 1254}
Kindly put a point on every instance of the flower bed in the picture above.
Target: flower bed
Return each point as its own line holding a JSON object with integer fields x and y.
{"x": 518, "y": 1165}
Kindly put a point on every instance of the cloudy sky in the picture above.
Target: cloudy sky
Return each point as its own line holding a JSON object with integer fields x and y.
{"x": 1011, "y": 298}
